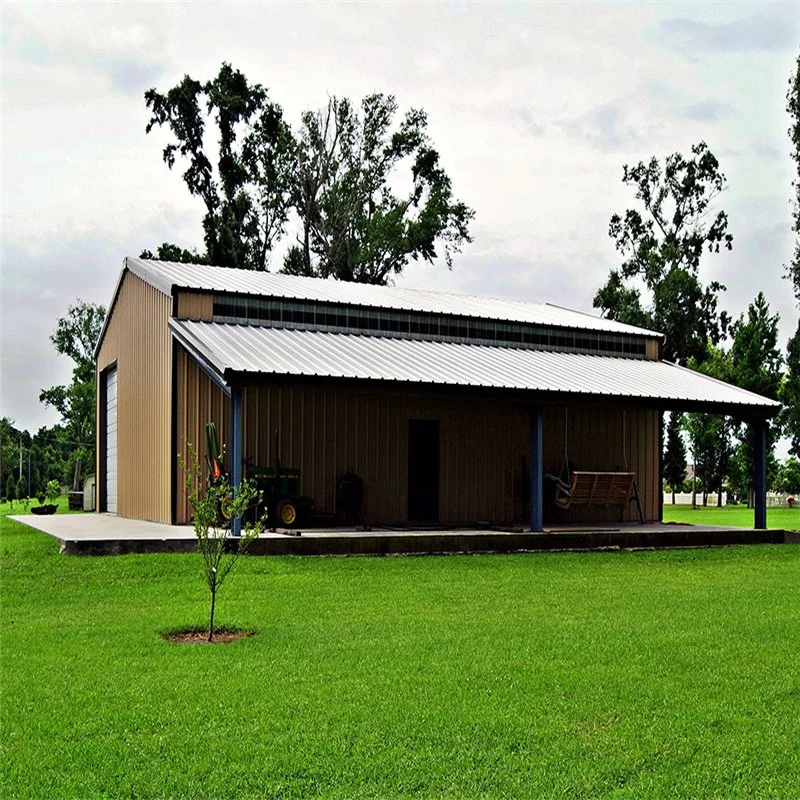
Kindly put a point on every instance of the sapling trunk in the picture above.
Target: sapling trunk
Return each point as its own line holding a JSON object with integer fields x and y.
{"x": 211, "y": 621}
{"x": 213, "y": 583}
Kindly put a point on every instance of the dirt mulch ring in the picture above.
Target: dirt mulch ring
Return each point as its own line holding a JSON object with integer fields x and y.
{"x": 200, "y": 636}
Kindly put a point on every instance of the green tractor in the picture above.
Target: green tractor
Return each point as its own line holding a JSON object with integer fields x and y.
{"x": 280, "y": 492}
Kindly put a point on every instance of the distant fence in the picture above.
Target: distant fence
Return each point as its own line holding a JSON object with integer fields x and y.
{"x": 685, "y": 499}
{"x": 774, "y": 499}
{"x": 780, "y": 499}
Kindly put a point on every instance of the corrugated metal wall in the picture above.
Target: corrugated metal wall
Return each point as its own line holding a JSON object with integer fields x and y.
{"x": 323, "y": 432}
{"x": 653, "y": 349}
{"x": 606, "y": 439}
{"x": 138, "y": 339}
{"x": 484, "y": 445}
{"x": 195, "y": 305}
{"x": 198, "y": 401}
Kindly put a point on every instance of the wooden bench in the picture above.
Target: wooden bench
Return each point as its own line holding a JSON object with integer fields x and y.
{"x": 600, "y": 490}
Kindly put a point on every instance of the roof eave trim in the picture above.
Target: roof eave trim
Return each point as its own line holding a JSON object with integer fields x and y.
{"x": 218, "y": 377}
{"x": 134, "y": 266}
{"x": 111, "y": 305}
{"x": 743, "y": 411}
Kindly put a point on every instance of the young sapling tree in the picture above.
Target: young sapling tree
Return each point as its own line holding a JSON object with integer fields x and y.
{"x": 216, "y": 504}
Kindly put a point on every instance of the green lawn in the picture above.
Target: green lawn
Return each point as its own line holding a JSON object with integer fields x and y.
{"x": 626, "y": 675}
{"x": 737, "y": 516}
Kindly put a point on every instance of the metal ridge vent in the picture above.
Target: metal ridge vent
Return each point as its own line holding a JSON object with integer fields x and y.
{"x": 169, "y": 276}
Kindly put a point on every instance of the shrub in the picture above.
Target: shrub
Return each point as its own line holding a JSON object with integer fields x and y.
{"x": 53, "y": 491}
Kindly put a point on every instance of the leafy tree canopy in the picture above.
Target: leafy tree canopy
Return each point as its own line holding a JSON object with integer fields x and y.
{"x": 754, "y": 363}
{"x": 247, "y": 191}
{"x": 335, "y": 185}
{"x": 790, "y": 394}
{"x": 662, "y": 247}
{"x": 355, "y": 225}
{"x": 172, "y": 252}
{"x": 49, "y": 451}
{"x": 789, "y": 476}
{"x": 755, "y": 358}
{"x": 76, "y": 336}
{"x": 793, "y": 107}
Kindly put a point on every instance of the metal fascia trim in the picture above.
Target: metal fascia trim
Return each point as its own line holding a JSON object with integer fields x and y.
{"x": 200, "y": 359}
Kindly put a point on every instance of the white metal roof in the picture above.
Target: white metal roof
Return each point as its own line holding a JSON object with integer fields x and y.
{"x": 230, "y": 349}
{"x": 167, "y": 276}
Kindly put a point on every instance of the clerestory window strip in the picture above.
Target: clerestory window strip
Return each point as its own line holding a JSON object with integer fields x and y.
{"x": 340, "y": 318}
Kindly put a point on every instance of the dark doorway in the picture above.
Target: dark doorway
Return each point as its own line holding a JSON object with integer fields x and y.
{"x": 423, "y": 470}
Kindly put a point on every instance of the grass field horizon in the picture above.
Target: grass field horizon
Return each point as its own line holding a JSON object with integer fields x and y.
{"x": 650, "y": 674}
{"x": 736, "y": 516}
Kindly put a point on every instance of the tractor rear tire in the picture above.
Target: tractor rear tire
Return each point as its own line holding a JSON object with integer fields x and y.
{"x": 286, "y": 514}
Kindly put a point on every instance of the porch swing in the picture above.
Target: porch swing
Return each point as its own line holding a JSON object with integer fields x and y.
{"x": 596, "y": 489}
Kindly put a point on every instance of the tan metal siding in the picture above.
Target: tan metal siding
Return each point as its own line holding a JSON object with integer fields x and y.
{"x": 198, "y": 401}
{"x": 195, "y": 306}
{"x": 652, "y": 349}
{"x": 606, "y": 438}
{"x": 138, "y": 339}
{"x": 325, "y": 431}
{"x": 484, "y": 445}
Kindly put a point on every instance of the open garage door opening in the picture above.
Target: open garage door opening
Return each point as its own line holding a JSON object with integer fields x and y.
{"x": 111, "y": 440}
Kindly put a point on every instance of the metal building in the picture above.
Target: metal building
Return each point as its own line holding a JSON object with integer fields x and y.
{"x": 451, "y": 408}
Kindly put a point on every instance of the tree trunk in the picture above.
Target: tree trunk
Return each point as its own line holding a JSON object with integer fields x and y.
{"x": 76, "y": 475}
{"x": 673, "y": 497}
{"x": 211, "y": 621}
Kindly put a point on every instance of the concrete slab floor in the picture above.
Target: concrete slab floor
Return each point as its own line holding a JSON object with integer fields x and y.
{"x": 102, "y": 527}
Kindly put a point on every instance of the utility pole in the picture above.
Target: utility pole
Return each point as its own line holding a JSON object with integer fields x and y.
{"x": 20, "y": 456}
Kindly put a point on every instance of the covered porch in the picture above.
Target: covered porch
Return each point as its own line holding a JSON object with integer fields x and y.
{"x": 500, "y": 418}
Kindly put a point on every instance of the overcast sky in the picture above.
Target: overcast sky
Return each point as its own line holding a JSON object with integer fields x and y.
{"x": 534, "y": 108}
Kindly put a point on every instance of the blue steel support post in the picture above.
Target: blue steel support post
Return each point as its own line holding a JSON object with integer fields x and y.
{"x": 759, "y": 428}
{"x": 537, "y": 522}
{"x": 236, "y": 448}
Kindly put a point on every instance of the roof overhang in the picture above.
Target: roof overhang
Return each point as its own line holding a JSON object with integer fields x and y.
{"x": 238, "y": 354}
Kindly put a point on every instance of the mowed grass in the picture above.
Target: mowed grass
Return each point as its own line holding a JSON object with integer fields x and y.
{"x": 787, "y": 519}
{"x": 625, "y": 675}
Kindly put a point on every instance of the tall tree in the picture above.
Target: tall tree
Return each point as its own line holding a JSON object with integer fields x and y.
{"x": 756, "y": 364}
{"x": 711, "y": 435}
{"x": 675, "y": 454}
{"x": 247, "y": 193}
{"x": 76, "y": 336}
{"x": 662, "y": 250}
{"x": 356, "y": 225}
{"x": 790, "y": 394}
